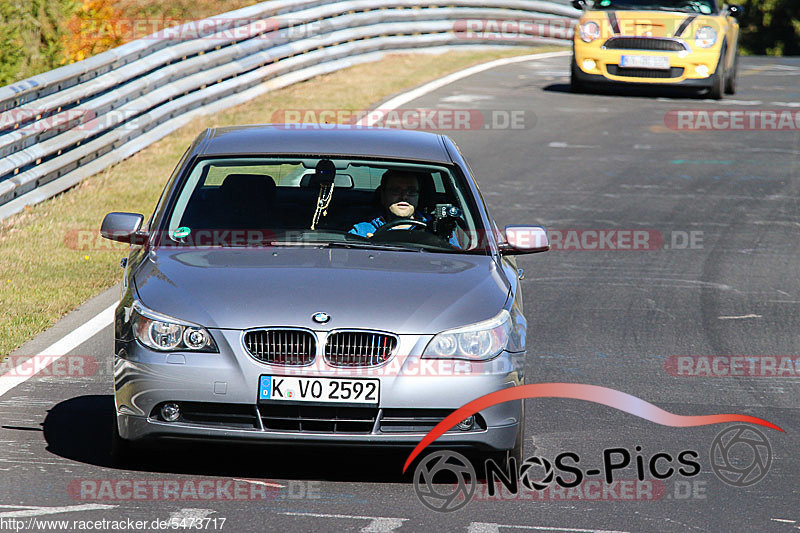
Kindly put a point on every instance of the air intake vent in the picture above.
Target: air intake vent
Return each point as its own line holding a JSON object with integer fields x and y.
{"x": 643, "y": 43}
{"x": 312, "y": 419}
{"x": 674, "y": 72}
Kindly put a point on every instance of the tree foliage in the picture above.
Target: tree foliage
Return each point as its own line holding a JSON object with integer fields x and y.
{"x": 94, "y": 27}
{"x": 771, "y": 27}
{"x": 31, "y": 36}
{"x": 40, "y": 35}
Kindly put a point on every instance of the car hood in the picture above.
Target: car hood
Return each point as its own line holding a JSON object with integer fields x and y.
{"x": 402, "y": 292}
{"x": 642, "y": 23}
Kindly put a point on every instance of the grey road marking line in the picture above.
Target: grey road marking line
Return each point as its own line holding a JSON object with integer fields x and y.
{"x": 491, "y": 527}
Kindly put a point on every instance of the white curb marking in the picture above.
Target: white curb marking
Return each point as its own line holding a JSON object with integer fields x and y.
{"x": 58, "y": 349}
{"x": 402, "y": 99}
{"x": 29, "y": 511}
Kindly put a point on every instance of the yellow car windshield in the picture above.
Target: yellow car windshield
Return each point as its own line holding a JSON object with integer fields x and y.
{"x": 704, "y": 7}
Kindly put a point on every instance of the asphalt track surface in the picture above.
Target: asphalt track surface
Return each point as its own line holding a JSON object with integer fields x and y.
{"x": 611, "y": 318}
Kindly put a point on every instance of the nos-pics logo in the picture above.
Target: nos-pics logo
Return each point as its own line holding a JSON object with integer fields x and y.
{"x": 446, "y": 481}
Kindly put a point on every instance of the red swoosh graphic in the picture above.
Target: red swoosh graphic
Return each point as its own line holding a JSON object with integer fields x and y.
{"x": 576, "y": 391}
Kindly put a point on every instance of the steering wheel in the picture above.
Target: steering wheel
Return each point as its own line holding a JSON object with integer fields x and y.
{"x": 400, "y": 222}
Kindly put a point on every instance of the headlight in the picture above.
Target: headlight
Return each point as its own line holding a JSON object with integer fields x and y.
{"x": 167, "y": 334}
{"x": 589, "y": 31}
{"x": 705, "y": 37}
{"x": 477, "y": 342}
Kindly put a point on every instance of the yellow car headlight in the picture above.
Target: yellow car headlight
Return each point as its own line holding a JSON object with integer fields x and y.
{"x": 705, "y": 37}
{"x": 589, "y": 31}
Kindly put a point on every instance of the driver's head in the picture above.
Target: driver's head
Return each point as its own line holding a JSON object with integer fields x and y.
{"x": 400, "y": 192}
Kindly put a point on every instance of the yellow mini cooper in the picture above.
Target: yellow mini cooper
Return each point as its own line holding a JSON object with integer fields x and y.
{"x": 686, "y": 43}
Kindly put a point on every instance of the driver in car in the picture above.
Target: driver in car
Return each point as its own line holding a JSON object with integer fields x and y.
{"x": 399, "y": 196}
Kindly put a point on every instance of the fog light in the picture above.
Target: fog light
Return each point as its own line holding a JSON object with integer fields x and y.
{"x": 466, "y": 424}
{"x": 702, "y": 70}
{"x": 589, "y": 64}
{"x": 170, "y": 412}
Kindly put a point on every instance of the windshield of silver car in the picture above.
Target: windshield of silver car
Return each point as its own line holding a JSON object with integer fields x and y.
{"x": 325, "y": 202}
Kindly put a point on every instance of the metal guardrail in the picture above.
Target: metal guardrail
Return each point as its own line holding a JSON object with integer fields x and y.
{"x": 69, "y": 123}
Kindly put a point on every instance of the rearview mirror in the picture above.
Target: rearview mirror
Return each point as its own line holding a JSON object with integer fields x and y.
{"x": 123, "y": 227}
{"x": 524, "y": 240}
{"x": 579, "y": 4}
{"x": 340, "y": 181}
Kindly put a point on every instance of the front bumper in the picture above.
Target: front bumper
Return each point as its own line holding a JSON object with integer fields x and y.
{"x": 683, "y": 67}
{"x": 138, "y": 428}
{"x": 410, "y": 388}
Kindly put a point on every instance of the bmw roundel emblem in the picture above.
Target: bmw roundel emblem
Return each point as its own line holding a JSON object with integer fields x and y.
{"x": 321, "y": 318}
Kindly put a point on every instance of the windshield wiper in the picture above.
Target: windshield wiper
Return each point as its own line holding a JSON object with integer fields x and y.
{"x": 374, "y": 246}
{"x": 350, "y": 244}
{"x": 628, "y": 7}
{"x": 678, "y": 9}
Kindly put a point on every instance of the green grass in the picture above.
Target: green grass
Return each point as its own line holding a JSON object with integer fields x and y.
{"x": 51, "y": 256}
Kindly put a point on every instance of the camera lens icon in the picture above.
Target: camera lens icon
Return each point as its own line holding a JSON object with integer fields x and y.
{"x": 526, "y": 473}
{"x": 741, "y": 456}
{"x": 445, "y": 481}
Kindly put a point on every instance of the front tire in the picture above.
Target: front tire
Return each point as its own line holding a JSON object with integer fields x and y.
{"x": 502, "y": 458}
{"x": 123, "y": 452}
{"x": 718, "y": 80}
{"x": 575, "y": 85}
{"x": 730, "y": 82}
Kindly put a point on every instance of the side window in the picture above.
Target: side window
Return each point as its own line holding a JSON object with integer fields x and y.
{"x": 438, "y": 182}
{"x": 364, "y": 178}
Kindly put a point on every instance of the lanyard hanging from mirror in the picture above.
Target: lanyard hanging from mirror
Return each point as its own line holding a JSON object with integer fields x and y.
{"x": 323, "y": 201}
{"x": 325, "y": 175}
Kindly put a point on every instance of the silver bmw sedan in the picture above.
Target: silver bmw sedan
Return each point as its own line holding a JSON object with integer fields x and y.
{"x": 319, "y": 284}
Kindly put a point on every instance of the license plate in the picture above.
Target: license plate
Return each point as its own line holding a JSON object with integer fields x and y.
{"x": 656, "y": 62}
{"x": 319, "y": 390}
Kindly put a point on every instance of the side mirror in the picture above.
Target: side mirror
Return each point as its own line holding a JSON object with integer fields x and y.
{"x": 579, "y": 4}
{"x": 123, "y": 227}
{"x": 736, "y": 12}
{"x": 524, "y": 240}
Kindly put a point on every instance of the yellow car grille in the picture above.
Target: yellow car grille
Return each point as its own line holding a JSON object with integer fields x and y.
{"x": 644, "y": 43}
